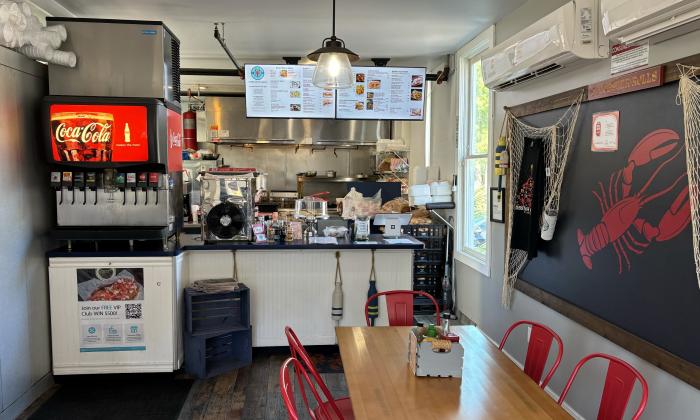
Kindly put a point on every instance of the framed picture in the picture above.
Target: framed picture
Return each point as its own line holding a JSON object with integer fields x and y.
{"x": 497, "y": 209}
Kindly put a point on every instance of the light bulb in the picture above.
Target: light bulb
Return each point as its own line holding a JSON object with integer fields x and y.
{"x": 333, "y": 71}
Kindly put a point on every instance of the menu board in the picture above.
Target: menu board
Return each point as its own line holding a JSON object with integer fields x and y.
{"x": 285, "y": 91}
{"x": 383, "y": 93}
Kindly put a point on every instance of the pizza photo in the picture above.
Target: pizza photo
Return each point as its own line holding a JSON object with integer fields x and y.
{"x": 109, "y": 284}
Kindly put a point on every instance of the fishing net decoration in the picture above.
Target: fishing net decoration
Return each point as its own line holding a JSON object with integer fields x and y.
{"x": 557, "y": 140}
{"x": 689, "y": 95}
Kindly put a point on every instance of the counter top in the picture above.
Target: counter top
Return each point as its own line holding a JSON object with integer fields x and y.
{"x": 193, "y": 242}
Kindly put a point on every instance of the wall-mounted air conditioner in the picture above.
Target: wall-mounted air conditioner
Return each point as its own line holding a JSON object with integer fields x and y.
{"x": 562, "y": 39}
{"x": 630, "y": 21}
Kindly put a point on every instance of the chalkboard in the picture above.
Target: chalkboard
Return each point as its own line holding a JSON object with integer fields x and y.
{"x": 656, "y": 296}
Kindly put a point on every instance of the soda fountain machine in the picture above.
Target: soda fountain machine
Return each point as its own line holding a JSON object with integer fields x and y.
{"x": 114, "y": 133}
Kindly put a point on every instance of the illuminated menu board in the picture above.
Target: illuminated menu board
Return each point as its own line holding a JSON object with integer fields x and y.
{"x": 383, "y": 93}
{"x": 285, "y": 91}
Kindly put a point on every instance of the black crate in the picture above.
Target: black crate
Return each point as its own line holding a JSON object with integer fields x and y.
{"x": 428, "y": 256}
{"x": 423, "y": 281}
{"x": 421, "y": 232}
{"x": 208, "y": 355}
{"x": 209, "y": 313}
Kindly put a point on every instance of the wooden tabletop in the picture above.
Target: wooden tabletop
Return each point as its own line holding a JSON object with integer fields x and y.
{"x": 382, "y": 386}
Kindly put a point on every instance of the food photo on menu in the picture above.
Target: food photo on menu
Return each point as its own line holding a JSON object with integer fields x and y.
{"x": 109, "y": 284}
{"x": 295, "y": 107}
{"x": 374, "y": 84}
{"x": 416, "y": 94}
{"x": 359, "y": 89}
{"x": 416, "y": 81}
{"x": 360, "y": 78}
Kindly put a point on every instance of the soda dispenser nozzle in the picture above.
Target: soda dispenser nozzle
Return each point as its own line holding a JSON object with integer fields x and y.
{"x": 142, "y": 183}
{"x": 67, "y": 182}
{"x": 91, "y": 183}
{"x": 79, "y": 183}
{"x": 120, "y": 182}
{"x": 56, "y": 184}
{"x": 153, "y": 182}
{"x": 131, "y": 184}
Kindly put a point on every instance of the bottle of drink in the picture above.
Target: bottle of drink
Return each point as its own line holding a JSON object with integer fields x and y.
{"x": 127, "y": 133}
{"x": 432, "y": 331}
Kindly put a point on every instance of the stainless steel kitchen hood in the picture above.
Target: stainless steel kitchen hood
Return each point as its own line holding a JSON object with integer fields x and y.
{"x": 229, "y": 115}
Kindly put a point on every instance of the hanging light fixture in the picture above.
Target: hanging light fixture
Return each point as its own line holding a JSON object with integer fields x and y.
{"x": 333, "y": 70}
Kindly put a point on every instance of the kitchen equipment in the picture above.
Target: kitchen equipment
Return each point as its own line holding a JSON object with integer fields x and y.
{"x": 330, "y": 174}
{"x": 311, "y": 206}
{"x": 125, "y": 156}
{"x": 227, "y": 207}
{"x": 118, "y": 58}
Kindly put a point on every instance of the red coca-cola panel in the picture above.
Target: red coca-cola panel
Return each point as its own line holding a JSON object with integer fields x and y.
{"x": 99, "y": 133}
{"x": 174, "y": 141}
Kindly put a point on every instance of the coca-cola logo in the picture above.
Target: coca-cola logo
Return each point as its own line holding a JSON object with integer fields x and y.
{"x": 93, "y": 132}
{"x": 175, "y": 139}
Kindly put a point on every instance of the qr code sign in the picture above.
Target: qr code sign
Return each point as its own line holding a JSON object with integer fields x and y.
{"x": 133, "y": 311}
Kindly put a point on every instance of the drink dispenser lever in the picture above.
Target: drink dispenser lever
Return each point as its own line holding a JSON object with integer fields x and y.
{"x": 67, "y": 182}
{"x": 120, "y": 182}
{"x": 153, "y": 182}
{"x": 131, "y": 184}
{"x": 56, "y": 184}
{"x": 91, "y": 183}
{"x": 79, "y": 184}
{"x": 142, "y": 183}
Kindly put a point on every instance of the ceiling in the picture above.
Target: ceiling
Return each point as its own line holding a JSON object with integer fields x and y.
{"x": 275, "y": 28}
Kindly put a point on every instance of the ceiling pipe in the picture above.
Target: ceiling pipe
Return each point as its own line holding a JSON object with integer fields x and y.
{"x": 222, "y": 41}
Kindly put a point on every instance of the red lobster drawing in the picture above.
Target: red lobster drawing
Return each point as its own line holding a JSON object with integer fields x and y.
{"x": 620, "y": 207}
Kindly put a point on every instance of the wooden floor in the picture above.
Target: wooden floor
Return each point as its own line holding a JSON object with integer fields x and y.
{"x": 253, "y": 392}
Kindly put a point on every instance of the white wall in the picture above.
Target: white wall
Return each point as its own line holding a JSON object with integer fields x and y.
{"x": 25, "y": 350}
{"x": 479, "y": 297}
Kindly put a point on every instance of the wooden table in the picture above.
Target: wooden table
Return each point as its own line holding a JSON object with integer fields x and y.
{"x": 382, "y": 385}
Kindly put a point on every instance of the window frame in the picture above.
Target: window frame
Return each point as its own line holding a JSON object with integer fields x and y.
{"x": 471, "y": 51}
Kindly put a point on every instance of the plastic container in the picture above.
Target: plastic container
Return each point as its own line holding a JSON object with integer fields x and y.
{"x": 442, "y": 198}
{"x": 419, "y": 190}
{"x": 440, "y": 188}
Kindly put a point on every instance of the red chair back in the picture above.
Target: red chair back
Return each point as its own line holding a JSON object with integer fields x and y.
{"x": 287, "y": 389}
{"x": 619, "y": 382}
{"x": 399, "y": 304}
{"x": 298, "y": 352}
{"x": 541, "y": 338}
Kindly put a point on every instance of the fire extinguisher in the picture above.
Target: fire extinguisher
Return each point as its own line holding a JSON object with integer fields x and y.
{"x": 189, "y": 132}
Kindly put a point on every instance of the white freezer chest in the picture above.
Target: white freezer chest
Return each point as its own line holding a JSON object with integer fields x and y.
{"x": 94, "y": 332}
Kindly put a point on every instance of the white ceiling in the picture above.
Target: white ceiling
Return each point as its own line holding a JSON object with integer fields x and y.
{"x": 275, "y": 28}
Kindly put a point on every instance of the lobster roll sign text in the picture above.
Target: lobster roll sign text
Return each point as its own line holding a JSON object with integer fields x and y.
{"x": 99, "y": 133}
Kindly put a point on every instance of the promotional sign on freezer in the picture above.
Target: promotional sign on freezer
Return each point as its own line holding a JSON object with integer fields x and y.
{"x": 285, "y": 91}
{"x": 384, "y": 93}
{"x": 110, "y": 306}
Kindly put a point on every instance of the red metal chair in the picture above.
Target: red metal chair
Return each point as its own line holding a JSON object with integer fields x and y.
{"x": 399, "y": 304}
{"x": 287, "y": 390}
{"x": 541, "y": 338}
{"x": 340, "y": 408}
{"x": 619, "y": 382}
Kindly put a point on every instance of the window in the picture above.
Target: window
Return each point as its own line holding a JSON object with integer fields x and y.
{"x": 474, "y": 134}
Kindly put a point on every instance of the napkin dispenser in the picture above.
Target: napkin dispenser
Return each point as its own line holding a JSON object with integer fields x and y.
{"x": 434, "y": 357}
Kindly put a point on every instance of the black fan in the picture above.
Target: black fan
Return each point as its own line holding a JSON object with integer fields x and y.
{"x": 225, "y": 220}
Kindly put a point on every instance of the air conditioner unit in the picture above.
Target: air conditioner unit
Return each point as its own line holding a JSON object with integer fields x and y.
{"x": 562, "y": 39}
{"x": 629, "y": 21}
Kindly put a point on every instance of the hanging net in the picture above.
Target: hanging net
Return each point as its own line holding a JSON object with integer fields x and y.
{"x": 689, "y": 94}
{"x": 556, "y": 141}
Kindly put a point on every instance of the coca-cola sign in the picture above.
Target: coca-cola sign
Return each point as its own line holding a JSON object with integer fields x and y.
{"x": 99, "y": 133}
{"x": 94, "y": 132}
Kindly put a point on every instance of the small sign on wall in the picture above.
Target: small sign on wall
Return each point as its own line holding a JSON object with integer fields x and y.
{"x": 605, "y": 132}
{"x": 628, "y": 57}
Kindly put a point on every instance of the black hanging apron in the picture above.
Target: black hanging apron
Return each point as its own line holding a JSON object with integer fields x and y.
{"x": 529, "y": 199}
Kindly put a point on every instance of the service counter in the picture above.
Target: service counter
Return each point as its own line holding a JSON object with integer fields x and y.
{"x": 290, "y": 283}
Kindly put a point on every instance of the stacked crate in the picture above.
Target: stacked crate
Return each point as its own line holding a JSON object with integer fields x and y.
{"x": 217, "y": 331}
{"x": 428, "y": 264}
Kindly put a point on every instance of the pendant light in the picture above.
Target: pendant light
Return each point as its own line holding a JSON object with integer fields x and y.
{"x": 333, "y": 70}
